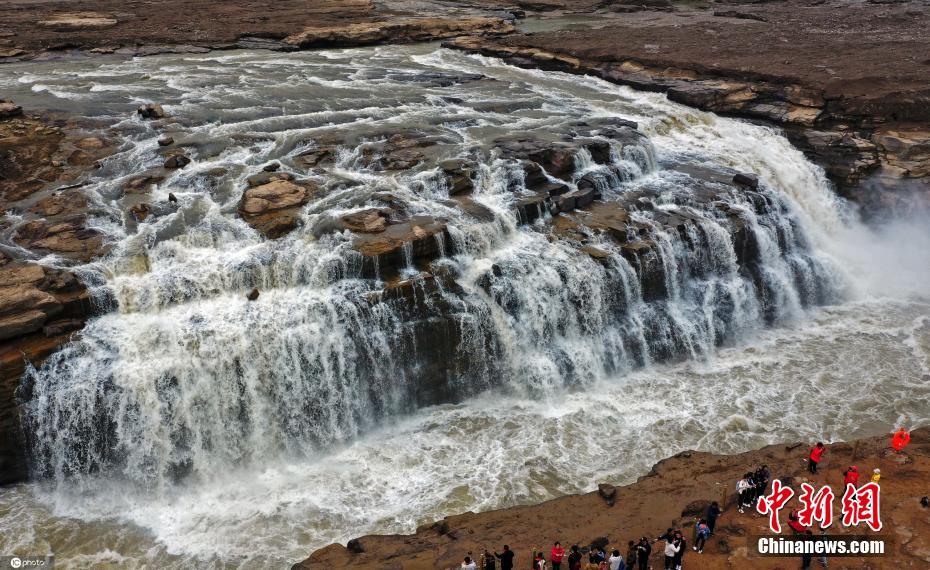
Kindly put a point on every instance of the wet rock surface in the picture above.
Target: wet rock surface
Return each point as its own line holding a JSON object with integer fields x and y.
{"x": 40, "y": 308}
{"x": 273, "y": 208}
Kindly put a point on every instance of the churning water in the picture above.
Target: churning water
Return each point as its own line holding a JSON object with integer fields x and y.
{"x": 192, "y": 425}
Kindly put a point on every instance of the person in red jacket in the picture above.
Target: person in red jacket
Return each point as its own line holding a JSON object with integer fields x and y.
{"x": 851, "y": 477}
{"x": 900, "y": 439}
{"x": 556, "y": 555}
{"x": 815, "y": 457}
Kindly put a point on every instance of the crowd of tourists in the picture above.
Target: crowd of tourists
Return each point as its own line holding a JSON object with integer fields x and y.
{"x": 597, "y": 556}
{"x": 673, "y": 544}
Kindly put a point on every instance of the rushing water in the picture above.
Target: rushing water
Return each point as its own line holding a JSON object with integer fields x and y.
{"x": 192, "y": 424}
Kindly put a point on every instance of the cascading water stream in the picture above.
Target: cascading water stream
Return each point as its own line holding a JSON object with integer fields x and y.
{"x": 159, "y": 403}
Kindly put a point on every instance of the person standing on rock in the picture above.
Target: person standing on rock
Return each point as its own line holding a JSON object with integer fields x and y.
{"x": 900, "y": 439}
{"x": 816, "y": 455}
{"x": 539, "y": 562}
{"x": 643, "y": 551}
{"x": 615, "y": 562}
{"x": 761, "y": 478}
{"x": 506, "y": 558}
{"x": 702, "y": 531}
{"x": 876, "y": 475}
{"x": 488, "y": 561}
{"x": 743, "y": 489}
{"x": 556, "y": 555}
{"x": 631, "y": 555}
{"x": 574, "y": 558}
{"x": 807, "y": 557}
{"x": 713, "y": 511}
{"x": 469, "y": 564}
{"x": 851, "y": 477}
{"x": 682, "y": 548}
{"x": 823, "y": 556}
{"x": 672, "y": 546}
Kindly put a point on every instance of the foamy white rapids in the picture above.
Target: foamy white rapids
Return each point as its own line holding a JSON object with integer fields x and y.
{"x": 189, "y": 426}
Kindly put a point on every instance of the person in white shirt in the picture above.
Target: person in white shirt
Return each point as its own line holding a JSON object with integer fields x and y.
{"x": 469, "y": 564}
{"x": 615, "y": 561}
{"x": 672, "y": 546}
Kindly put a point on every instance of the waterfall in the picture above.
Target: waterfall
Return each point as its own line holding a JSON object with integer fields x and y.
{"x": 186, "y": 378}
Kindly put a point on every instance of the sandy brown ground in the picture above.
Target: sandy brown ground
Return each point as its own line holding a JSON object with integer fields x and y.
{"x": 657, "y": 501}
{"x": 30, "y": 27}
{"x": 863, "y": 53}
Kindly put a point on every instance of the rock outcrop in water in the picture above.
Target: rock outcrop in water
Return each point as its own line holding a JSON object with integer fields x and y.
{"x": 40, "y": 306}
{"x": 273, "y": 208}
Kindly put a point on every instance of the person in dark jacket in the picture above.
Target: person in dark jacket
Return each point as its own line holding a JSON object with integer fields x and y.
{"x": 490, "y": 563}
{"x": 682, "y": 547}
{"x": 713, "y": 511}
{"x": 631, "y": 555}
{"x": 763, "y": 476}
{"x": 807, "y": 557}
{"x": 643, "y": 550}
{"x": 506, "y": 558}
{"x": 574, "y": 558}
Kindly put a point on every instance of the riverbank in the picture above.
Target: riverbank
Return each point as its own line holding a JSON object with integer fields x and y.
{"x": 820, "y": 71}
{"x": 673, "y": 493}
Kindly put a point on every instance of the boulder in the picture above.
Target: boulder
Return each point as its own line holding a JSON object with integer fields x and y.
{"x": 172, "y": 197}
{"x": 272, "y": 167}
{"x": 372, "y": 220}
{"x": 400, "y": 151}
{"x": 564, "y": 203}
{"x": 9, "y": 109}
{"x": 459, "y": 175}
{"x": 141, "y": 183}
{"x": 696, "y": 509}
{"x": 165, "y": 141}
{"x": 68, "y": 238}
{"x": 531, "y": 208}
{"x": 263, "y": 178}
{"x": 417, "y": 240}
{"x": 66, "y": 202}
{"x": 743, "y": 179}
{"x": 253, "y": 294}
{"x": 273, "y": 208}
{"x": 599, "y": 150}
{"x": 558, "y": 159}
{"x": 24, "y": 309}
{"x": 319, "y": 155}
{"x": 535, "y": 179}
{"x": 607, "y": 492}
{"x": 151, "y": 111}
{"x": 177, "y": 161}
{"x": 474, "y": 210}
{"x": 355, "y": 546}
{"x": 30, "y": 295}
{"x": 140, "y": 212}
